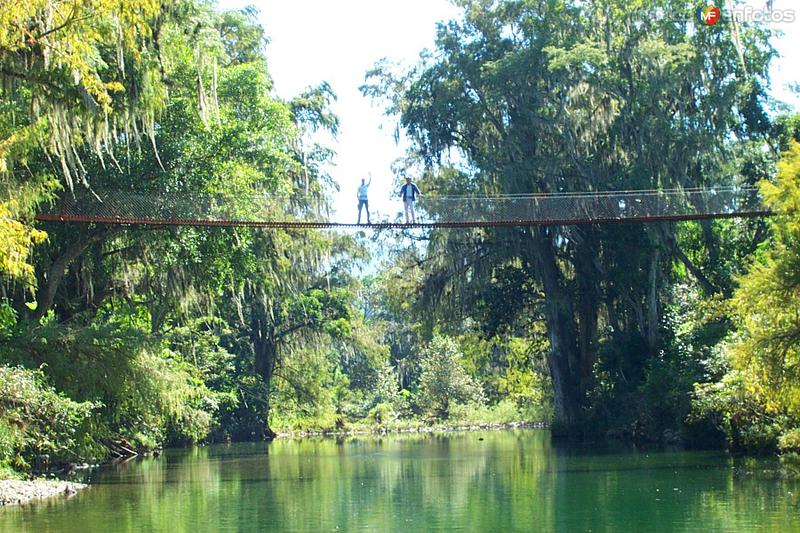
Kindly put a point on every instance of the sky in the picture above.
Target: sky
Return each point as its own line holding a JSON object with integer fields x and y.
{"x": 339, "y": 40}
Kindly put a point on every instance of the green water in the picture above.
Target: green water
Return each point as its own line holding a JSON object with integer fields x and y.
{"x": 488, "y": 481}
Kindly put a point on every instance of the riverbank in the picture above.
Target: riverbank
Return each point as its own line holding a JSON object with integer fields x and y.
{"x": 18, "y": 492}
{"x": 410, "y": 427}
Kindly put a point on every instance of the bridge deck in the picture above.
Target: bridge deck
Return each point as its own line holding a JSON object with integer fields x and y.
{"x": 266, "y": 211}
{"x": 45, "y": 217}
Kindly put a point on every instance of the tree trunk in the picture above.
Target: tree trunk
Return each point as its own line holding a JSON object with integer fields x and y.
{"x": 48, "y": 286}
{"x": 265, "y": 348}
{"x": 588, "y": 305}
{"x": 708, "y": 287}
{"x": 710, "y": 241}
{"x": 652, "y": 301}
{"x": 564, "y": 357}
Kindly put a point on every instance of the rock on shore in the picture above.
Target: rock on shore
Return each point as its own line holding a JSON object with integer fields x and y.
{"x": 17, "y": 492}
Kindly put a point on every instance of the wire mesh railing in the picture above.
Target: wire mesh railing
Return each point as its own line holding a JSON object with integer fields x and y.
{"x": 126, "y": 207}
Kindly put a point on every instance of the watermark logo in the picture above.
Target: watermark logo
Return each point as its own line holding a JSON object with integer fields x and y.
{"x": 749, "y": 13}
{"x": 708, "y": 15}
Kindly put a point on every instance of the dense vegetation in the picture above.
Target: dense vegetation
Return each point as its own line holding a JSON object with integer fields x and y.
{"x": 116, "y": 338}
{"x": 565, "y": 96}
{"x": 136, "y": 338}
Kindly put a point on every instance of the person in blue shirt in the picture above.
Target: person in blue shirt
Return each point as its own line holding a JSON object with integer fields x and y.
{"x": 409, "y": 193}
{"x": 362, "y": 198}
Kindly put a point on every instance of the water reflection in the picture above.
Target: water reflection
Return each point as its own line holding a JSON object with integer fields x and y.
{"x": 488, "y": 481}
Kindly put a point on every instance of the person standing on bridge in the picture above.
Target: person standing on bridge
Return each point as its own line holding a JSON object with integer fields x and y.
{"x": 362, "y": 198}
{"x": 409, "y": 193}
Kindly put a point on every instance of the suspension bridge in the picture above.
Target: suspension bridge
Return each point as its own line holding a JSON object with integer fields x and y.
{"x": 291, "y": 211}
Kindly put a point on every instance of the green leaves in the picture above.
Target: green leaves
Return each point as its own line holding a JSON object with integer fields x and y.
{"x": 758, "y": 401}
{"x": 37, "y": 422}
{"x": 8, "y": 320}
{"x": 581, "y": 56}
{"x": 443, "y": 382}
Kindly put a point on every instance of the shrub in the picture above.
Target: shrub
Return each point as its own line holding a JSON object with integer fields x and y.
{"x": 381, "y": 414}
{"x": 443, "y": 381}
{"x": 144, "y": 393}
{"x": 790, "y": 441}
{"x": 504, "y": 412}
{"x": 38, "y": 425}
{"x": 741, "y": 414}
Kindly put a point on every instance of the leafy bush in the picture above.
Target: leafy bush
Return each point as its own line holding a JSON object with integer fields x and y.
{"x": 443, "y": 381}
{"x": 241, "y": 417}
{"x": 10, "y": 440}
{"x": 39, "y": 425}
{"x": 8, "y": 320}
{"x": 790, "y": 441}
{"x": 143, "y": 392}
{"x": 381, "y": 414}
{"x": 741, "y": 414}
{"x": 510, "y": 367}
{"x": 504, "y": 412}
{"x": 757, "y": 403}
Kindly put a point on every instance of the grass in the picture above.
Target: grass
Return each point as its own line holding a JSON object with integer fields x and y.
{"x": 9, "y": 473}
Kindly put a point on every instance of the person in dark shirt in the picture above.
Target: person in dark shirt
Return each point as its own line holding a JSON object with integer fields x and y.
{"x": 409, "y": 192}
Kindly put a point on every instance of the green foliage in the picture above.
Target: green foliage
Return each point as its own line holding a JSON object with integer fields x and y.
{"x": 9, "y": 473}
{"x": 387, "y": 388}
{"x": 8, "y": 320}
{"x": 242, "y": 35}
{"x": 789, "y": 441}
{"x": 766, "y": 304}
{"x": 787, "y": 129}
{"x": 504, "y": 412}
{"x": 650, "y": 399}
{"x": 144, "y": 393}
{"x": 758, "y": 400}
{"x": 72, "y": 75}
{"x": 509, "y": 368}
{"x": 183, "y": 334}
{"x": 38, "y": 424}
{"x": 16, "y": 241}
{"x": 529, "y": 97}
{"x": 443, "y": 382}
{"x": 241, "y": 417}
{"x": 739, "y": 413}
{"x": 381, "y": 414}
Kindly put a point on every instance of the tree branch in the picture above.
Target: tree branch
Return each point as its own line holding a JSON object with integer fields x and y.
{"x": 709, "y": 287}
{"x": 55, "y": 274}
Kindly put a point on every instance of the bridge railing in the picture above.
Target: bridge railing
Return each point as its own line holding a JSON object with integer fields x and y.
{"x": 595, "y": 207}
{"x": 275, "y": 210}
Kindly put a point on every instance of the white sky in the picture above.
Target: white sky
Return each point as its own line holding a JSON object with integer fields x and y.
{"x": 339, "y": 40}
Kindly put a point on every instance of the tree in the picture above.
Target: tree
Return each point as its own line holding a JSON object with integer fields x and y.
{"x": 196, "y": 303}
{"x": 72, "y": 74}
{"x": 443, "y": 382}
{"x": 570, "y": 96}
{"x": 759, "y": 399}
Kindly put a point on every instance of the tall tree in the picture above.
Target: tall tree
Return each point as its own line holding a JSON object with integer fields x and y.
{"x": 258, "y": 294}
{"x": 72, "y": 74}
{"x": 568, "y": 96}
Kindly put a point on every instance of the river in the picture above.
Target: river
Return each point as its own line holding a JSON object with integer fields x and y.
{"x": 473, "y": 481}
